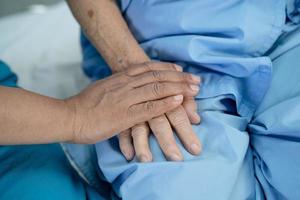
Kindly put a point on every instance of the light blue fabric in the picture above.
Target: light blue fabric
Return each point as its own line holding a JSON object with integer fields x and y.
{"x": 225, "y": 168}
{"x": 209, "y": 40}
{"x": 293, "y": 13}
{"x": 250, "y": 126}
{"x": 83, "y": 158}
{"x": 275, "y": 128}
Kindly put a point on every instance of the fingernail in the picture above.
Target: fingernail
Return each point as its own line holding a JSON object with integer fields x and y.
{"x": 144, "y": 158}
{"x": 178, "y": 68}
{"x": 178, "y": 98}
{"x": 196, "y": 78}
{"x": 195, "y": 148}
{"x": 196, "y": 117}
{"x": 129, "y": 155}
{"x": 175, "y": 157}
{"x": 194, "y": 88}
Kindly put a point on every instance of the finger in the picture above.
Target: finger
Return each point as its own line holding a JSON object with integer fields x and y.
{"x": 150, "y": 66}
{"x": 145, "y": 111}
{"x": 140, "y": 135}
{"x": 180, "y": 122}
{"x": 162, "y": 130}
{"x": 119, "y": 79}
{"x": 164, "y": 76}
{"x": 125, "y": 143}
{"x": 158, "y": 90}
{"x": 190, "y": 107}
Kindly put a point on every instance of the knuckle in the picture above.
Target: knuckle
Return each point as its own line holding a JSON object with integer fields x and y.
{"x": 131, "y": 113}
{"x": 169, "y": 147}
{"x": 189, "y": 109}
{"x": 159, "y": 120}
{"x": 149, "y": 106}
{"x": 180, "y": 121}
{"x": 124, "y": 136}
{"x": 186, "y": 77}
{"x": 166, "y": 104}
{"x": 177, "y": 117}
{"x": 157, "y": 75}
{"x": 173, "y": 66}
{"x": 157, "y": 89}
{"x": 159, "y": 123}
{"x": 190, "y": 104}
{"x": 139, "y": 129}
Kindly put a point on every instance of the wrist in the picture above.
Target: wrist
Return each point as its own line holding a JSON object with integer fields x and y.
{"x": 70, "y": 119}
{"x": 125, "y": 63}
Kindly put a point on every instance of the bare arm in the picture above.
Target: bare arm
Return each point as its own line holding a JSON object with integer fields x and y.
{"x": 28, "y": 118}
{"x": 105, "y": 27}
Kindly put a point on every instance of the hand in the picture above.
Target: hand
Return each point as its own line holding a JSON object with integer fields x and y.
{"x": 125, "y": 99}
{"x": 135, "y": 141}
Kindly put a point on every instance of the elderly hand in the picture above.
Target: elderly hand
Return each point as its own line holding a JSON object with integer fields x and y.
{"x": 135, "y": 141}
{"x": 125, "y": 99}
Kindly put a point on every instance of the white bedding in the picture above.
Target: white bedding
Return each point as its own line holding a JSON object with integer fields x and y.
{"x": 43, "y": 49}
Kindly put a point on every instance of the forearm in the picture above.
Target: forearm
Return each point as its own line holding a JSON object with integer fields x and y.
{"x": 107, "y": 30}
{"x": 28, "y": 118}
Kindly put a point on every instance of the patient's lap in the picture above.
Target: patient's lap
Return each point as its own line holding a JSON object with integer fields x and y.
{"x": 226, "y": 164}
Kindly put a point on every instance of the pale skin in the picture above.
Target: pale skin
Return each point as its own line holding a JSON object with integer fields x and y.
{"x": 107, "y": 30}
{"x": 99, "y": 112}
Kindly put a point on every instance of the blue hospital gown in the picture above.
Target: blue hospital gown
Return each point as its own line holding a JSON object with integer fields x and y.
{"x": 247, "y": 53}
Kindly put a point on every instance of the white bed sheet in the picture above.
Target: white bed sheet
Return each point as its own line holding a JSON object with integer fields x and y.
{"x": 43, "y": 49}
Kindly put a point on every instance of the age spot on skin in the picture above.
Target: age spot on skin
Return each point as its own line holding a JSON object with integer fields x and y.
{"x": 90, "y": 13}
